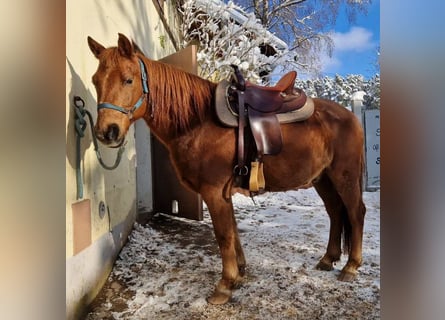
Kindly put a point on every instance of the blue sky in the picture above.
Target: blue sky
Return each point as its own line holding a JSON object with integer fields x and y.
{"x": 356, "y": 45}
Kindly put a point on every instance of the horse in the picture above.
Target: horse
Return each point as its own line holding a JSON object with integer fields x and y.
{"x": 325, "y": 151}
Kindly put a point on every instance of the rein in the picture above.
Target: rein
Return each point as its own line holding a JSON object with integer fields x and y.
{"x": 129, "y": 112}
{"x": 80, "y": 126}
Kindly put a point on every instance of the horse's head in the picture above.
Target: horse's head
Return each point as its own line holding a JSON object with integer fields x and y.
{"x": 121, "y": 86}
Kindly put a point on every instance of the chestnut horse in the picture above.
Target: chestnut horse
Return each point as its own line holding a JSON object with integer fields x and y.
{"x": 324, "y": 151}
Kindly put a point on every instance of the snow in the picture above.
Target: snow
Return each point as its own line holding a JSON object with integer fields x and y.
{"x": 344, "y": 90}
{"x": 225, "y": 36}
{"x": 170, "y": 265}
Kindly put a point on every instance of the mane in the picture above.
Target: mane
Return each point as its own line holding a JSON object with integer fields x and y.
{"x": 178, "y": 99}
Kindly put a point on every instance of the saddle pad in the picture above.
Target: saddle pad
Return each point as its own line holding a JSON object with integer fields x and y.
{"x": 229, "y": 118}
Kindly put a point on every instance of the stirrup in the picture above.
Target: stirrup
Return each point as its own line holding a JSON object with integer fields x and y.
{"x": 256, "y": 181}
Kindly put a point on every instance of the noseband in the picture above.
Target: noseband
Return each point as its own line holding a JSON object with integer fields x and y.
{"x": 129, "y": 112}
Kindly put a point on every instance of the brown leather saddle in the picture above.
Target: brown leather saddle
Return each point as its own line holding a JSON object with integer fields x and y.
{"x": 242, "y": 104}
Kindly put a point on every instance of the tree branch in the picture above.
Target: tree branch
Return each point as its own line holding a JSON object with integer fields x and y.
{"x": 283, "y": 5}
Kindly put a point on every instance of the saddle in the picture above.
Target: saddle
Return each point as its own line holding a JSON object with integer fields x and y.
{"x": 242, "y": 104}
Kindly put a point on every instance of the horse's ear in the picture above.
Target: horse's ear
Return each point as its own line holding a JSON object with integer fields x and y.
{"x": 125, "y": 47}
{"x": 95, "y": 47}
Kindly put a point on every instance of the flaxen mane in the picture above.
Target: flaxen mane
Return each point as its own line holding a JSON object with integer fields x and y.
{"x": 177, "y": 98}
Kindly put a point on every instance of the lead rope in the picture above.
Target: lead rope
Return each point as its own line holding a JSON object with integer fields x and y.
{"x": 80, "y": 126}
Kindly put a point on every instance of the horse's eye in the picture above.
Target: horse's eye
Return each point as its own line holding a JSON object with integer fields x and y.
{"x": 128, "y": 81}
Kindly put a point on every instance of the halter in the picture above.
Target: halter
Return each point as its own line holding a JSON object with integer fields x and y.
{"x": 129, "y": 112}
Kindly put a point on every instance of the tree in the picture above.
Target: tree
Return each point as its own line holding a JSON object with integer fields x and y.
{"x": 303, "y": 24}
{"x": 341, "y": 89}
{"x": 224, "y": 40}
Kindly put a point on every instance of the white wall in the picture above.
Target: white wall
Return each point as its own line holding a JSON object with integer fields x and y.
{"x": 143, "y": 170}
{"x": 87, "y": 270}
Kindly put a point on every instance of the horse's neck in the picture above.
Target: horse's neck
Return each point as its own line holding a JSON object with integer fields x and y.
{"x": 177, "y": 107}
{"x": 181, "y": 143}
{"x": 168, "y": 133}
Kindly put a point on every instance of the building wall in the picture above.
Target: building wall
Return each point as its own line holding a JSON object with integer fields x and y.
{"x": 101, "y": 236}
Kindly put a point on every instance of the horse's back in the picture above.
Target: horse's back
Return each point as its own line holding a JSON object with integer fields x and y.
{"x": 334, "y": 123}
{"x": 343, "y": 126}
{"x": 310, "y": 146}
{"x": 329, "y": 123}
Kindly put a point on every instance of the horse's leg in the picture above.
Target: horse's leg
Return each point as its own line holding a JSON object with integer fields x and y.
{"x": 356, "y": 214}
{"x": 240, "y": 258}
{"x": 224, "y": 226}
{"x": 335, "y": 208}
{"x": 348, "y": 187}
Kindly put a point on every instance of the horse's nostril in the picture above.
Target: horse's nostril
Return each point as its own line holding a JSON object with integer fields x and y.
{"x": 112, "y": 132}
{"x": 98, "y": 133}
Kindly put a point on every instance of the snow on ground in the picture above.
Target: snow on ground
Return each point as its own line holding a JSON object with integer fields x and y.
{"x": 170, "y": 265}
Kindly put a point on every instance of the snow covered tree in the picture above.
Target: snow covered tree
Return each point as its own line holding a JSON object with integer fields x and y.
{"x": 304, "y": 24}
{"x": 341, "y": 89}
{"x": 372, "y": 89}
{"x": 223, "y": 40}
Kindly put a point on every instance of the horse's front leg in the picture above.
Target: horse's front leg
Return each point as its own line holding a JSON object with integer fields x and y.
{"x": 224, "y": 226}
{"x": 240, "y": 259}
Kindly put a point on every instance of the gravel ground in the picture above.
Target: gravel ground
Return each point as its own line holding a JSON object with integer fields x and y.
{"x": 170, "y": 265}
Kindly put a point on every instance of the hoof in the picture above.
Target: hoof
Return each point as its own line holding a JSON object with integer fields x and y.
{"x": 219, "y": 297}
{"x": 347, "y": 276}
{"x": 324, "y": 266}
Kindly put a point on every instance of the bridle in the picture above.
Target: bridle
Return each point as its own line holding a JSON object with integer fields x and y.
{"x": 129, "y": 112}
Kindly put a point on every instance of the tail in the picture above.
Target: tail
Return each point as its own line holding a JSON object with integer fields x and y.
{"x": 347, "y": 228}
{"x": 347, "y": 231}
{"x": 362, "y": 171}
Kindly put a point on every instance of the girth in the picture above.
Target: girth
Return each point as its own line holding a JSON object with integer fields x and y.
{"x": 257, "y": 113}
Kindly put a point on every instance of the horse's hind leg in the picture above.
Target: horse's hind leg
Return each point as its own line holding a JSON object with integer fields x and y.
{"x": 224, "y": 225}
{"x": 348, "y": 186}
{"x": 335, "y": 209}
{"x": 356, "y": 214}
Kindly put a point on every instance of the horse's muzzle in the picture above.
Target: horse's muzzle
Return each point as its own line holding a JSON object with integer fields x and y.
{"x": 110, "y": 135}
